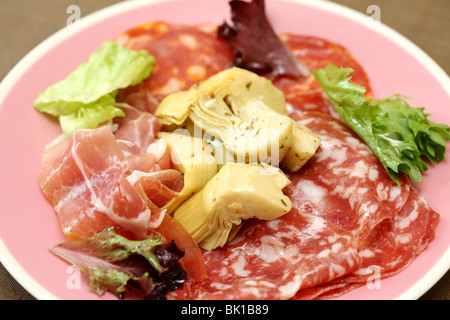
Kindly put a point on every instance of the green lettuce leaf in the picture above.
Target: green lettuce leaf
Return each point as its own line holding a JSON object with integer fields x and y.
{"x": 89, "y": 117}
{"x": 119, "y": 265}
{"x": 402, "y": 137}
{"x": 93, "y": 86}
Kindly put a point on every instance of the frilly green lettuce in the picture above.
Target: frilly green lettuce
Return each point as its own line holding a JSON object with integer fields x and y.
{"x": 86, "y": 98}
{"x": 402, "y": 137}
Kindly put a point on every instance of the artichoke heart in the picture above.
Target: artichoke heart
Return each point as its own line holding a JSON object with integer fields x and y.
{"x": 237, "y": 192}
{"x": 192, "y": 156}
{"x": 248, "y": 114}
{"x": 174, "y": 109}
{"x": 304, "y": 146}
{"x": 237, "y": 85}
{"x": 263, "y": 136}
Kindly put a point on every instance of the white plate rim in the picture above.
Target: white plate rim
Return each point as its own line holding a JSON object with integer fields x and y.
{"x": 38, "y": 291}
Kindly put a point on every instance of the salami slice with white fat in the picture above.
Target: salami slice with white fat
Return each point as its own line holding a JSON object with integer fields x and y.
{"x": 314, "y": 53}
{"x": 390, "y": 248}
{"x": 394, "y": 244}
{"x": 344, "y": 182}
{"x": 274, "y": 259}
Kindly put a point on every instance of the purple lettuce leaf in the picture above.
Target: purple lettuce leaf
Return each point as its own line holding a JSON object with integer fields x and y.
{"x": 114, "y": 263}
{"x": 256, "y": 46}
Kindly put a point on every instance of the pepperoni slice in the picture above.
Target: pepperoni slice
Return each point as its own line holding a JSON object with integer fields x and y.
{"x": 344, "y": 182}
{"x": 184, "y": 55}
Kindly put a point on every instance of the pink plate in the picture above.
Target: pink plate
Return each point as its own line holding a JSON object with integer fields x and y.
{"x": 28, "y": 224}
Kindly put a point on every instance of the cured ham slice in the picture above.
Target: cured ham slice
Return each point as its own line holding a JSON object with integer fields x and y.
{"x": 141, "y": 100}
{"x": 84, "y": 179}
{"x": 162, "y": 186}
{"x": 138, "y": 128}
{"x": 274, "y": 259}
{"x": 90, "y": 178}
{"x": 136, "y": 135}
{"x": 344, "y": 182}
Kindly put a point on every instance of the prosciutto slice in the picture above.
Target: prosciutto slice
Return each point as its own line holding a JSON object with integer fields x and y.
{"x": 99, "y": 178}
{"x": 84, "y": 179}
{"x": 138, "y": 128}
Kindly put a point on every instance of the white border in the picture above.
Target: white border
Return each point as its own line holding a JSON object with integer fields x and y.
{"x": 38, "y": 291}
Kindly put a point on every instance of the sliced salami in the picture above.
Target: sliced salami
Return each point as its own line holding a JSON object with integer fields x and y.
{"x": 344, "y": 182}
{"x": 314, "y": 53}
{"x": 394, "y": 244}
{"x": 390, "y": 248}
{"x": 274, "y": 259}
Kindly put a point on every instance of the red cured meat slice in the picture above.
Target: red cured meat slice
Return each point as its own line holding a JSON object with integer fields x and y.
{"x": 137, "y": 127}
{"x": 390, "y": 248}
{"x": 88, "y": 180}
{"x": 394, "y": 244}
{"x": 162, "y": 186}
{"x": 86, "y": 184}
{"x": 184, "y": 55}
{"x": 136, "y": 134}
{"x": 192, "y": 260}
{"x": 326, "y": 291}
{"x": 274, "y": 259}
{"x": 315, "y": 53}
{"x": 142, "y": 100}
{"x": 142, "y": 162}
{"x": 344, "y": 182}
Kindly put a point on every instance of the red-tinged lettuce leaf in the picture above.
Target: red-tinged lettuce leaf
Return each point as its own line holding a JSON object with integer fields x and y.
{"x": 256, "y": 46}
{"x": 113, "y": 263}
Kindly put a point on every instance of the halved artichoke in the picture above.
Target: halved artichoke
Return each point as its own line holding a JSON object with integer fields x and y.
{"x": 237, "y": 192}
{"x": 191, "y": 156}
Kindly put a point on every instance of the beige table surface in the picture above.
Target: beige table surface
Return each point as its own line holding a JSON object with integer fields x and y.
{"x": 25, "y": 23}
